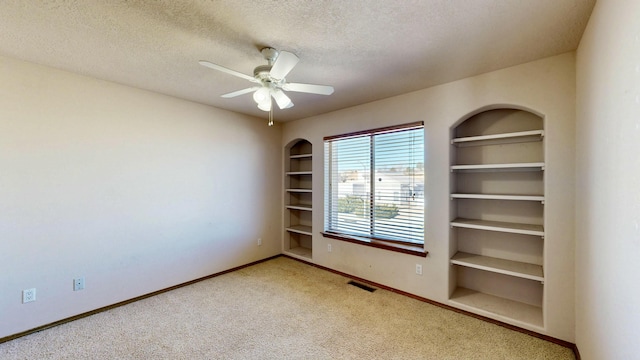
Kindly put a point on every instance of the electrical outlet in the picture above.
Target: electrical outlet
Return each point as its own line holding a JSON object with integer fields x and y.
{"x": 78, "y": 284}
{"x": 329, "y": 247}
{"x": 259, "y": 241}
{"x": 418, "y": 269}
{"x": 28, "y": 295}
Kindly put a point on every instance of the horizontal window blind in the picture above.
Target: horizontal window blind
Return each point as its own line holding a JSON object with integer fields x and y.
{"x": 375, "y": 184}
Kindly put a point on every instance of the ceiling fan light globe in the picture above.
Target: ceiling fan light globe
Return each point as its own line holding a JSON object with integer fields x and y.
{"x": 265, "y": 105}
{"x": 261, "y": 95}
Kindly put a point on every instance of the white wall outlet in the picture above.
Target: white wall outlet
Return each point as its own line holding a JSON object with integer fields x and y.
{"x": 28, "y": 295}
{"x": 329, "y": 247}
{"x": 418, "y": 269}
{"x": 78, "y": 284}
{"x": 259, "y": 241}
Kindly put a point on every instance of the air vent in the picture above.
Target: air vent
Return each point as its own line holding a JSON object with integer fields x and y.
{"x": 362, "y": 286}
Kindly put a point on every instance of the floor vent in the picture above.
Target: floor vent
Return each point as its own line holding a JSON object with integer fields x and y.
{"x": 362, "y": 286}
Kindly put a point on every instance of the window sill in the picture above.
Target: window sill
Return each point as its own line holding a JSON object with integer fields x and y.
{"x": 416, "y": 250}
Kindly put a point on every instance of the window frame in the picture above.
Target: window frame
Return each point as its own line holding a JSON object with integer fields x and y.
{"x": 406, "y": 247}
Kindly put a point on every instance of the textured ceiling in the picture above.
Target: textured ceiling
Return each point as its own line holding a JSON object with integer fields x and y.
{"x": 366, "y": 49}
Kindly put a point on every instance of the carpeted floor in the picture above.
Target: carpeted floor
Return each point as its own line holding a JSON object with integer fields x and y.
{"x": 279, "y": 309}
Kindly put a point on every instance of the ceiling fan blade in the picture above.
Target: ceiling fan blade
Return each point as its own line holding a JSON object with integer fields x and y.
{"x": 309, "y": 88}
{"x": 283, "y": 65}
{"x": 240, "y": 92}
{"x": 282, "y": 100}
{"x": 228, "y": 71}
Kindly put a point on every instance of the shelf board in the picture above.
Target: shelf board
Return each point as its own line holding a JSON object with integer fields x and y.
{"x": 515, "y": 310}
{"x": 300, "y": 229}
{"x": 535, "y": 135}
{"x": 500, "y": 266}
{"x": 300, "y": 156}
{"x": 515, "y": 228}
{"x": 300, "y": 190}
{"x": 498, "y": 197}
{"x": 536, "y": 166}
{"x": 299, "y": 207}
{"x": 300, "y": 252}
{"x": 299, "y": 173}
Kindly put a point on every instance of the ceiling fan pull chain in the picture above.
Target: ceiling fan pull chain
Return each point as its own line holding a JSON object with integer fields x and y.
{"x": 271, "y": 117}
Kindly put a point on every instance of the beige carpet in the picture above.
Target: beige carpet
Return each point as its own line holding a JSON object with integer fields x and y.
{"x": 279, "y": 309}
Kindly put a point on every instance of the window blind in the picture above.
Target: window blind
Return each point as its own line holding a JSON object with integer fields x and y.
{"x": 375, "y": 184}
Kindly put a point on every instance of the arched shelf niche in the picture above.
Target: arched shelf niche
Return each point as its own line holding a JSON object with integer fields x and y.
{"x": 497, "y": 214}
{"x": 298, "y": 238}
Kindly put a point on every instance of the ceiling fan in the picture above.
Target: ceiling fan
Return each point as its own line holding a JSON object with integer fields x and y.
{"x": 270, "y": 80}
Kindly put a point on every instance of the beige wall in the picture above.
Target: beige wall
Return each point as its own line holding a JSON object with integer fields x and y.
{"x": 546, "y": 86}
{"x": 608, "y": 183}
{"x": 133, "y": 190}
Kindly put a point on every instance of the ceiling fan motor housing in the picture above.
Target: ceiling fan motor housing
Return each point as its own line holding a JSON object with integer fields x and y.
{"x": 262, "y": 72}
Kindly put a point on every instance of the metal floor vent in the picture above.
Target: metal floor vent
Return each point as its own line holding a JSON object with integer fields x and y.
{"x": 362, "y": 286}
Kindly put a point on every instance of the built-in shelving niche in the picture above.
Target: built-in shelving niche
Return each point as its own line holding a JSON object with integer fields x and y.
{"x": 298, "y": 199}
{"x": 497, "y": 216}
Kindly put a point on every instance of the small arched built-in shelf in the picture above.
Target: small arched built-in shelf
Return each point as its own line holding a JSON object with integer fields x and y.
{"x": 298, "y": 232}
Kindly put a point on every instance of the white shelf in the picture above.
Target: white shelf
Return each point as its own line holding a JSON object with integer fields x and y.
{"x": 300, "y": 190}
{"x": 300, "y": 207}
{"x": 299, "y": 173}
{"x": 537, "y": 166}
{"x": 509, "y": 309}
{"x": 300, "y": 229}
{"x": 500, "y": 266}
{"x": 526, "y": 229}
{"x": 498, "y": 197}
{"x": 300, "y": 156}
{"x": 536, "y": 135}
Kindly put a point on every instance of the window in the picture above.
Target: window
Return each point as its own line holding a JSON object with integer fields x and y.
{"x": 374, "y": 185}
